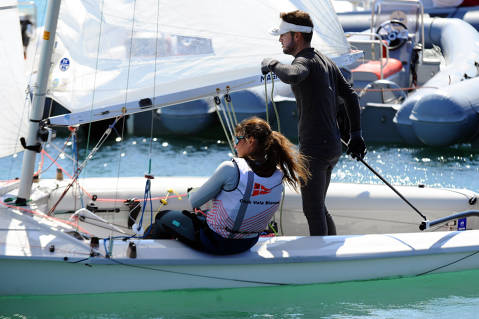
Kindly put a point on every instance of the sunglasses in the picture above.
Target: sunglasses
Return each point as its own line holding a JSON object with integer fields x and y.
{"x": 238, "y": 139}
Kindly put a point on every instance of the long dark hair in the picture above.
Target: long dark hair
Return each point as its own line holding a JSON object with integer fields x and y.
{"x": 273, "y": 150}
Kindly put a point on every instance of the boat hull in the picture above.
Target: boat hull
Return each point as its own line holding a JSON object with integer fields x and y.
{"x": 35, "y": 245}
{"x": 167, "y": 264}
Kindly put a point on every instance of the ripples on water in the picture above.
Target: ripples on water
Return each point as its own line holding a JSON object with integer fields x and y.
{"x": 430, "y": 296}
{"x": 454, "y": 167}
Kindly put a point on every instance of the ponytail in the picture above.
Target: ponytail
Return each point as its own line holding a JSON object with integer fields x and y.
{"x": 272, "y": 151}
{"x": 291, "y": 162}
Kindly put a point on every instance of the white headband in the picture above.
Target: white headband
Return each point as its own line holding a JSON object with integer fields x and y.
{"x": 285, "y": 27}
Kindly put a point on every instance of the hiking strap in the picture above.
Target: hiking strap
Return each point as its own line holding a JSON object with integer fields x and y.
{"x": 244, "y": 204}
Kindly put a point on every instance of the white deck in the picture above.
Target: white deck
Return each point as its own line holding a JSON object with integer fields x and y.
{"x": 168, "y": 264}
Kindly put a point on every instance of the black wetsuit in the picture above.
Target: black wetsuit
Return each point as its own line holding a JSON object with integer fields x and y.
{"x": 316, "y": 83}
{"x": 24, "y": 26}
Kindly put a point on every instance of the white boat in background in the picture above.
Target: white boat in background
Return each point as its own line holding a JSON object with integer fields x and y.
{"x": 356, "y": 208}
{"x": 34, "y": 243}
{"x": 418, "y": 78}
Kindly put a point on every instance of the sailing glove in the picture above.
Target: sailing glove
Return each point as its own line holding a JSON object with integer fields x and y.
{"x": 356, "y": 146}
{"x": 267, "y": 65}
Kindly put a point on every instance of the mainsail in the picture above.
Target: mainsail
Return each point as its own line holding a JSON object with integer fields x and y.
{"x": 12, "y": 80}
{"x": 113, "y": 54}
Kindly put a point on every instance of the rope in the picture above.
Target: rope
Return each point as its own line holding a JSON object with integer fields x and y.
{"x": 147, "y": 193}
{"x": 200, "y": 276}
{"x": 274, "y": 104}
{"x": 448, "y": 264}
{"x": 146, "y": 199}
{"x": 55, "y": 160}
{"x": 229, "y": 123}
{"x": 229, "y": 110}
{"x": 230, "y": 102}
{"x": 75, "y": 166}
{"x": 179, "y": 196}
{"x": 272, "y": 101}
{"x": 266, "y": 99}
{"x": 126, "y": 95}
{"x": 217, "y": 103}
{"x": 150, "y": 151}
{"x": 279, "y": 130}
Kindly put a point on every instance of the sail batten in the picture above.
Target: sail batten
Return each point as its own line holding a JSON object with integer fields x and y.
{"x": 113, "y": 53}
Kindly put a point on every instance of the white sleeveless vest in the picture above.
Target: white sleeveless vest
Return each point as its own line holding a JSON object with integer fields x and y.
{"x": 236, "y": 215}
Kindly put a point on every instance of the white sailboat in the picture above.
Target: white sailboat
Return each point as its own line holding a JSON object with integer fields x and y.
{"x": 33, "y": 244}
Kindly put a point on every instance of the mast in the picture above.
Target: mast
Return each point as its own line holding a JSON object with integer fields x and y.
{"x": 39, "y": 92}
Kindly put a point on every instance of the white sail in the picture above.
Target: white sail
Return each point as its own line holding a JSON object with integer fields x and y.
{"x": 112, "y": 53}
{"x": 12, "y": 80}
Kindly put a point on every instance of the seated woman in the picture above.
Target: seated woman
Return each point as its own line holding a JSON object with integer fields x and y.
{"x": 246, "y": 192}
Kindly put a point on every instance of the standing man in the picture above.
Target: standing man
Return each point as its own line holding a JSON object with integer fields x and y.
{"x": 26, "y": 27}
{"x": 316, "y": 83}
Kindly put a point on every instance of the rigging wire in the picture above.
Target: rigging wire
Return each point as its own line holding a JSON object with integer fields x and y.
{"x": 179, "y": 196}
{"x": 230, "y": 110}
{"x": 121, "y": 135}
{"x": 76, "y": 187}
{"x": 147, "y": 194}
{"x": 199, "y": 275}
{"x": 94, "y": 77}
{"x": 389, "y": 185}
{"x": 229, "y": 123}
{"x": 217, "y": 102}
{"x": 83, "y": 165}
{"x": 229, "y": 101}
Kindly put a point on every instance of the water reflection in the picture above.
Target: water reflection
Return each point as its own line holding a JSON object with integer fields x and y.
{"x": 454, "y": 167}
{"x": 430, "y": 296}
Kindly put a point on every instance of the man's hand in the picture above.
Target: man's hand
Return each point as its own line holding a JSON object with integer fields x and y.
{"x": 267, "y": 64}
{"x": 356, "y": 146}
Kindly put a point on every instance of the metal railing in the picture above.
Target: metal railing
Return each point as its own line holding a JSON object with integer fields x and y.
{"x": 375, "y": 39}
{"x": 377, "y": 7}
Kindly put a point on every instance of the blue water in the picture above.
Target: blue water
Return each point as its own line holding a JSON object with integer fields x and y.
{"x": 453, "y": 167}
